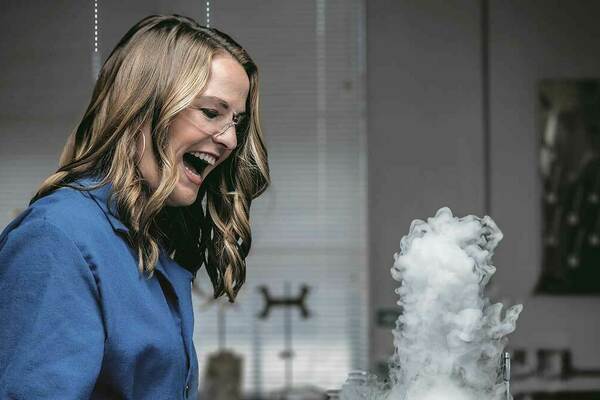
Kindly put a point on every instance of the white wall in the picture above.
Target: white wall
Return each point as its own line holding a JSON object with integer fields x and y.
{"x": 42, "y": 56}
{"x": 425, "y": 138}
{"x": 533, "y": 40}
{"x": 424, "y": 127}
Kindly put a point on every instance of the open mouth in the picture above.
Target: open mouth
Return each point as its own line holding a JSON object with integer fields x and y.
{"x": 195, "y": 164}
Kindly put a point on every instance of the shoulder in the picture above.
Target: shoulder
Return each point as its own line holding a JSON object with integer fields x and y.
{"x": 35, "y": 254}
{"x": 65, "y": 212}
{"x": 35, "y": 241}
{"x": 66, "y": 208}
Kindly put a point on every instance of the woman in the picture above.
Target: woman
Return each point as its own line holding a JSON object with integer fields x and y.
{"x": 156, "y": 181}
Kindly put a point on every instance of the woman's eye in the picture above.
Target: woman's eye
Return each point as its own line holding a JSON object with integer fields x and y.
{"x": 210, "y": 113}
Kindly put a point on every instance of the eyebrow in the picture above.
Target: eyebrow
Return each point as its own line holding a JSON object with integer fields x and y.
{"x": 224, "y": 104}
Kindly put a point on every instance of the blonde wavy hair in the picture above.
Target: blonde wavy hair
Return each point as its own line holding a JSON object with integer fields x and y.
{"x": 155, "y": 71}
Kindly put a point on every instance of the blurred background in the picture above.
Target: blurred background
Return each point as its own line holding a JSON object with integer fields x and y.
{"x": 375, "y": 113}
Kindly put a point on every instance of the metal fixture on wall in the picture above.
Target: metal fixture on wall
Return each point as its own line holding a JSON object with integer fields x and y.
{"x": 208, "y": 13}
{"x": 287, "y": 301}
{"x": 95, "y": 52}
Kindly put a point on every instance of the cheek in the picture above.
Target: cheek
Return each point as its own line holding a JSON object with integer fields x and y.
{"x": 183, "y": 129}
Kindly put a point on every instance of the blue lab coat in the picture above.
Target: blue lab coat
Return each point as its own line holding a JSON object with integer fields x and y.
{"x": 78, "y": 320}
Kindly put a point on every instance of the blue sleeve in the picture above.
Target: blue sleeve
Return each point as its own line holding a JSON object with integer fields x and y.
{"x": 51, "y": 330}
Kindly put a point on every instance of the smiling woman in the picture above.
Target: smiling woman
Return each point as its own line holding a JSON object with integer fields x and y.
{"x": 156, "y": 181}
{"x": 206, "y": 131}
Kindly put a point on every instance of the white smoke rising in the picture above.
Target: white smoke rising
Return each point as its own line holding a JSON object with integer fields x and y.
{"x": 449, "y": 339}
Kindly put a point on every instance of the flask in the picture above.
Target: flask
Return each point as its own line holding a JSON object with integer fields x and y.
{"x": 355, "y": 387}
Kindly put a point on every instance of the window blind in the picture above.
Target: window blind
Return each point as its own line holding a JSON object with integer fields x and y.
{"x": 310, "y": 226}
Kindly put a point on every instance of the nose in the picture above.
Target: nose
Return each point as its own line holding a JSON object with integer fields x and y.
{"x": 227, "y": 136}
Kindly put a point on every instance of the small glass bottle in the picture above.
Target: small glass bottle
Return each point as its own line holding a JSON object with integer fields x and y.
{"x": 355, "y": 387}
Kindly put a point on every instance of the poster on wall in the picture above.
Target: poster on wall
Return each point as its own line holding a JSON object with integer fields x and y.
{"x": 569, "y": 160}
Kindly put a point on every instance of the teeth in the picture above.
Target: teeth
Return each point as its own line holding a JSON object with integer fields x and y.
{"x": 203, "y": 156}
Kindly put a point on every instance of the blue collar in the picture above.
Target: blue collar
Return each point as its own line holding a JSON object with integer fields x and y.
{"x": 101, "y": 196}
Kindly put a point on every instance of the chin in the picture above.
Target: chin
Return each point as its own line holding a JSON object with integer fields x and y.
{"x": 182, "y": 196}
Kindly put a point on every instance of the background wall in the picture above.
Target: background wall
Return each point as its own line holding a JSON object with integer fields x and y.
{"x": 530, "y": 41}
{"x": 426, "y": 137}
{"x": 36, "y": 112}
